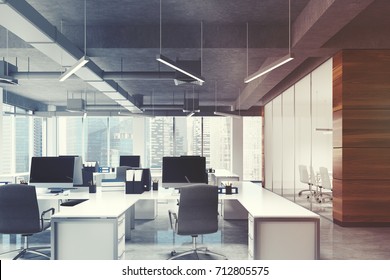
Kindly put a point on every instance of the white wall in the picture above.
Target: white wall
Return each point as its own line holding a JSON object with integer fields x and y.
{"x": 291, "y": 135}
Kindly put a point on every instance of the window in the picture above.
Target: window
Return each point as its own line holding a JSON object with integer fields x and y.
{"x": 159, "y": 140}
{"x": 217, "y": 142}
{"x": 70, "y": 135}
{"x": 121, "y": 138}
{"x": 21, "y": 138}
{"x": 96, "y": 140}
{"x": 252, "y": 150}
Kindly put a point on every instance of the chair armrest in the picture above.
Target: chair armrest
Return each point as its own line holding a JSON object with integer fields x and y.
{"x": 51, "y": 210}
{"x": 173, "y": 221}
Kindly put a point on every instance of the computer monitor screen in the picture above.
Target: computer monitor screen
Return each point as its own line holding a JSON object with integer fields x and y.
{"x": 184, "y": 170}
{"x": 132, "y": 161}
{"x": 52, "y": 172}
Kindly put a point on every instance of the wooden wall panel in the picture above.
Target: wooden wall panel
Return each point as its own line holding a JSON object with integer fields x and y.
{"x": 364, "y": 128}
{"x": 337, "y": 81}
{"x": 361, "y": 202}
{"x": 337, "y": 163}
{"x": 365, "y": 163}
{"x": 361, "y": 140}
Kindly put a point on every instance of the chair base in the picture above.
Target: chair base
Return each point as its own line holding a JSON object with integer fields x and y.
{"x": 32, "y": 250}
{"x": 310, "y": 193}
{"x": 195, "y": 250}
{"x": 202, "y": 250}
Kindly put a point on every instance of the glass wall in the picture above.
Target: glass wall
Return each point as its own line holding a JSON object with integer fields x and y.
{"x": 295, "y": 122}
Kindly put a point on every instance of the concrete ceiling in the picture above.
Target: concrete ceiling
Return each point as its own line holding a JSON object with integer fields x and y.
{"x": 239, "y": 37}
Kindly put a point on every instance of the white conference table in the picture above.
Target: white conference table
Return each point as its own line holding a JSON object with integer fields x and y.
{"x": 97, "y": 228}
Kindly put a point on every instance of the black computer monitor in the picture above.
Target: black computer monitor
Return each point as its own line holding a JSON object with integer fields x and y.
{"x": 52, "y": 172}
{"x": 132, "y": 161}
{"x": 180, "y": 171}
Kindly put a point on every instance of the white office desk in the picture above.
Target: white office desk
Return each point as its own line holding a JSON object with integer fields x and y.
{"x": 95, "y": 229}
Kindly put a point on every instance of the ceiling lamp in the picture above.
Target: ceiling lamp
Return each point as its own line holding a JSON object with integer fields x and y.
{"x": 224, "y": 114}
{"x": 83, "y": 60}
{"x": 174, "y": 65}
{"x": 69, "y": 72}
{"x": 279, "y": 62}
{"x": 269, "y": 68}
{"x": 177, "y": 65}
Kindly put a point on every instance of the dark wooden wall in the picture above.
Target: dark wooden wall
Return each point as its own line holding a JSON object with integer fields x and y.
{"x": 361, "y": 137}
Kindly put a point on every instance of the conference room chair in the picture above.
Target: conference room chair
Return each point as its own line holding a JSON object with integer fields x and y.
{"x": 19, "y": 214}
{"x": 306, "y": 179}
{"x": 197, "y": 215}
{"x": 325, "y": 187}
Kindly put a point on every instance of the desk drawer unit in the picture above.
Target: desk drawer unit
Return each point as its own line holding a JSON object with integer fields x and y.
{"x": 283, "y": 238}
{"x": 88, "y": 238}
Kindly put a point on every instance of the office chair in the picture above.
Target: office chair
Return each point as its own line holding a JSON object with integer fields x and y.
{"x": 19, "y": 214}
{"x": 197, "y": 214}
{"x": 304, "y": 178}
{"x": 325, "y": 185}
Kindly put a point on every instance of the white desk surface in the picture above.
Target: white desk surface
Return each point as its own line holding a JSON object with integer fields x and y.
{"x": 259, "y": 202}
{"x": 262, "y": 203}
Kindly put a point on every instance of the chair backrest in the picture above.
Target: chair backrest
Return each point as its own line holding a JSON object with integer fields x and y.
{"x": 198, "y": 210}
{"x": 19, "y": 212}
{"x": 325, "y": 178}
{"x": 303, "y": 174}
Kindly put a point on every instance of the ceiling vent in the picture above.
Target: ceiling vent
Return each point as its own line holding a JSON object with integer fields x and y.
{"x": 75, "y": 105}
{"x": 5, "y": 69}
{"x": 193, "y": 66}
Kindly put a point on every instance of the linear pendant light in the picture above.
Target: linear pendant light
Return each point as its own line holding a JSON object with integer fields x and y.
{"x": 84, "y": 59}
{"x": 173, "y": 65}
{"x": 269, "y": 68}
{"x": 218, "y": 113}
{"x": 80, "y": 63}
{"x": 279, "y": 62}
{"x": 223, "y": 114}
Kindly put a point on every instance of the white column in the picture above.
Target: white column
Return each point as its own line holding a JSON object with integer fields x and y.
{"x": 238, "y": 149}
